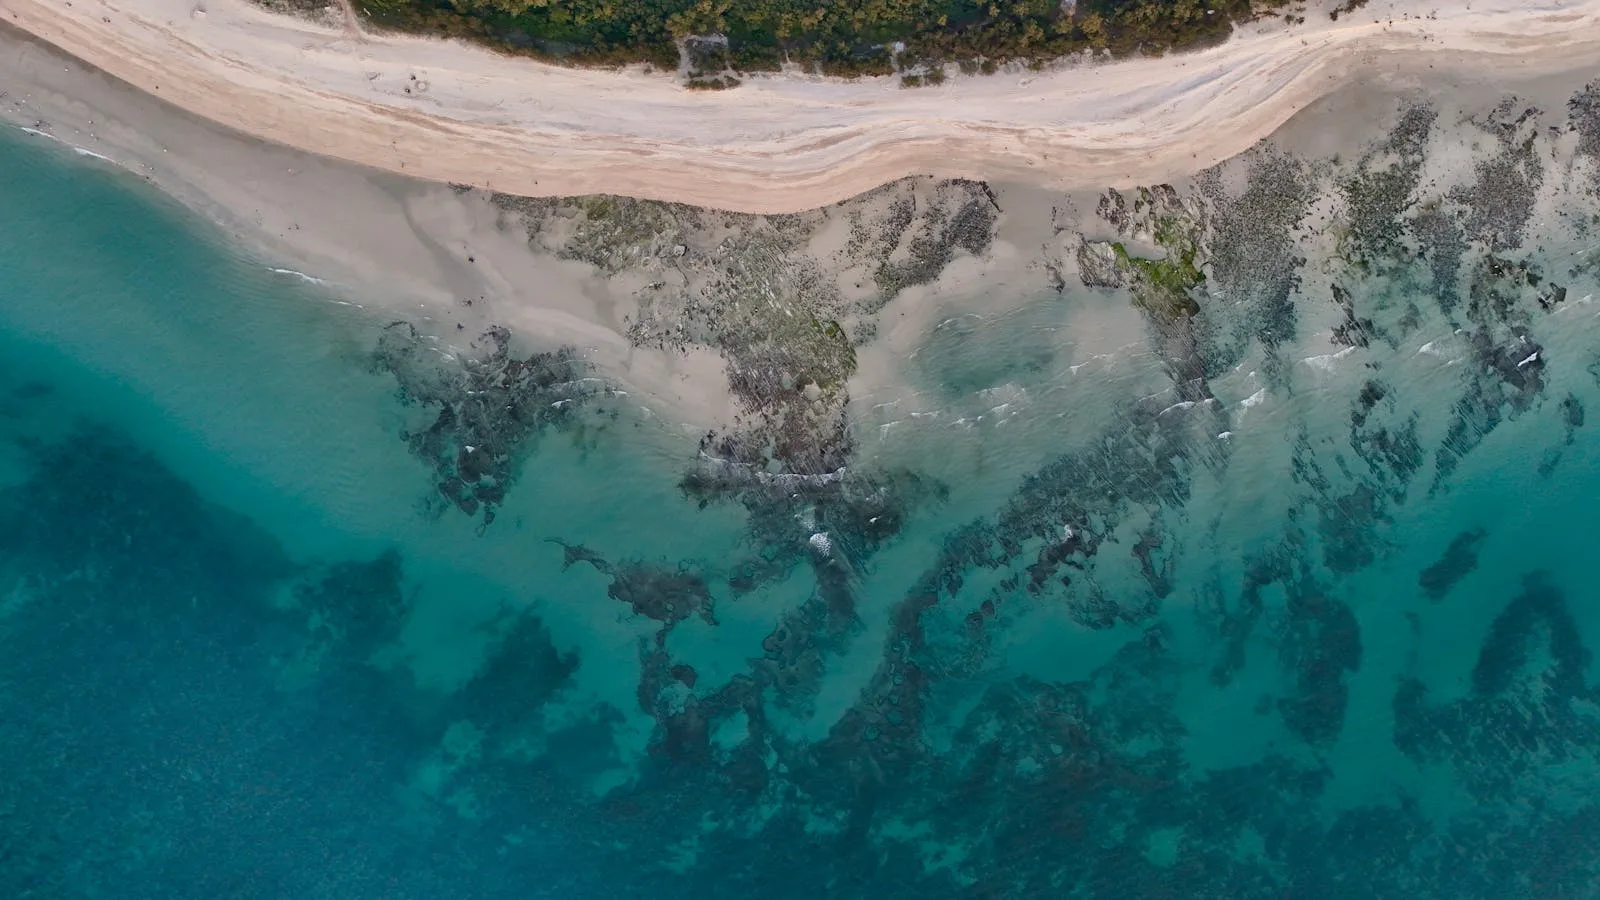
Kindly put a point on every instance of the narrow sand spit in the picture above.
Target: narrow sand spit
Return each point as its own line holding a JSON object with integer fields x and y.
{"x": 451, "y": 112}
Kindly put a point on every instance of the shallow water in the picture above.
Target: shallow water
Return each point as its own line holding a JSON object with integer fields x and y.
{"x": 1115, "y": 644}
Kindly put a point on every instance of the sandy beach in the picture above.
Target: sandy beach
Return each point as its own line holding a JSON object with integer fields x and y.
{"x": 321, "y": 200}
{"x": 401, "y": 242}
{"x": 449, "y": 112}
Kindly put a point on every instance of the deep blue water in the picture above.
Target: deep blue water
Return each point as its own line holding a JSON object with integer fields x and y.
{"x": 247, "y": 651}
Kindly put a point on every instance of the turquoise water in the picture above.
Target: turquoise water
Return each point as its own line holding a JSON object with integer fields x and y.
{"x": 1327, "y": 635}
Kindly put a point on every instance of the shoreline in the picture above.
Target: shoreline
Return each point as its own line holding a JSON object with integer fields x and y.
{"x": 455, "y": 113}
{"x": 403, "y": 246}
{"x": 393, "y": 245}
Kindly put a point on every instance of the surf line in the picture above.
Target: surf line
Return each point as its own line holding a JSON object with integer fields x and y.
{"x": 81, "y": 151}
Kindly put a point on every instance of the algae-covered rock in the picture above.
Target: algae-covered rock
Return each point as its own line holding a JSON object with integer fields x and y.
{"x": 1161, "y": 284}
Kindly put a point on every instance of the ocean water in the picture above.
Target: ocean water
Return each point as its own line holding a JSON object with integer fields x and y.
{"x": 1057, "y": 631}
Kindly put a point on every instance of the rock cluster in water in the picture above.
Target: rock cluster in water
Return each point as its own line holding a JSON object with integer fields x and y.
{"x": 486, "y": 404}
{"x": 1034, "y": 787}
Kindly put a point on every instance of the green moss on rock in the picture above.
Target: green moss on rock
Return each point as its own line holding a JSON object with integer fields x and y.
{"x": 1161, "y": 286}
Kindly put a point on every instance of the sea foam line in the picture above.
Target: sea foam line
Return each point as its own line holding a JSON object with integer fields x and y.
{"x": 85, "y": 151}
{"x": 81, "y": 151}
{"x": 309, "y": 279}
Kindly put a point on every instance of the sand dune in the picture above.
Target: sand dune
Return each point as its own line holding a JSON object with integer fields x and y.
{"x": 451, "y": 112}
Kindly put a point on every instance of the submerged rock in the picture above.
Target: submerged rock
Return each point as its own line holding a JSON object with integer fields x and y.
{"x": 488, "y": 405}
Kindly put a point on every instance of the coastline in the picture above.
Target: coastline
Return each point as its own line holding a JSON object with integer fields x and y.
{"x": 1201, "y": 472}
{"x": 395, "y": 245}
{"x": 450, "y": 112}
{"x": 401, "y": 245}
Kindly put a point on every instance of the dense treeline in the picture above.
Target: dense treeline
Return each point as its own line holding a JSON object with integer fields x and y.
{"x": 836, "y": 36}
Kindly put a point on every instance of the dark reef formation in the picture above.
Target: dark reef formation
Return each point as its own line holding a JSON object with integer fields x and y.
{"x": 1022, "y": 786}
{"x": 486, "y": 405}
{"x": 1031, "y": 787}
{"x": 1164, "y": 662}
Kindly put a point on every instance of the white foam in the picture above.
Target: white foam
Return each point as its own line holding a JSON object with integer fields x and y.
{"x": 309, "y": 279}
{"x": 1184, "y": 404}
{"x": 1328, "y": 361}
{"x": 81, "y": 151}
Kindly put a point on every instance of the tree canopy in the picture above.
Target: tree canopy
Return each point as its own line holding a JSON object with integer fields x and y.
{"x": 841, "y": 37}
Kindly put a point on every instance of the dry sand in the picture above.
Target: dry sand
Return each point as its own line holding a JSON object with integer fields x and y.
{"x": 446, "y": 111}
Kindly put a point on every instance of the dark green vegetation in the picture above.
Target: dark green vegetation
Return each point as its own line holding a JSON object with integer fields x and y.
{"x": 853, "y": 37}
{"x": 1349, "y": 6}
{"x": 1162, "y": 286}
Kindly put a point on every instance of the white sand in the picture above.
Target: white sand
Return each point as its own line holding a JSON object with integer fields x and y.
{"x": 780, "y": 143}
